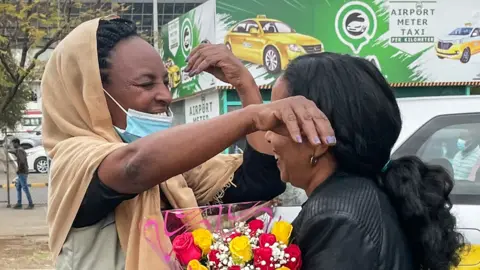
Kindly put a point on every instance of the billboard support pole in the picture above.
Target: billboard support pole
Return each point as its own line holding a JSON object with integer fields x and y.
{"x": 155, "y": 24}
{"x": 7, "y": 165}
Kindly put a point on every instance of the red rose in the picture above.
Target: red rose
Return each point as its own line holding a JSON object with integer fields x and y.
{"x": 263, "y": 254}
{"x": 255, "y": 225}
{"x": 295, "y": 253}
{"x": 267, "y": 238}
{"x": 234, "y": 267}
{"x": 185, "y": 248}
{"x": 212, "y": 256}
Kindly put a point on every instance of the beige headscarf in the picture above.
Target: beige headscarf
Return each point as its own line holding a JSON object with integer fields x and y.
{"x": 78, "y": 135}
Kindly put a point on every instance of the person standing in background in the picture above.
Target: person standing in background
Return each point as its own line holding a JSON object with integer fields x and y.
{"x": 468, "y": 155}
{"x": 22, "y": 175}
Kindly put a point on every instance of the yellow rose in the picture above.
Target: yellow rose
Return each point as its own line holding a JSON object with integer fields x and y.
{"x": 282, "y": 231}
{"x": 283, "y": 268}
{"x": 195, "y": 265}
{"x": 203, "y": 239}
{"x": 241, "y": 249}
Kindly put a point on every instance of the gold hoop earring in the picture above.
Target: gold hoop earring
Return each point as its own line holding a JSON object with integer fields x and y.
{"x": 313, "y": 160}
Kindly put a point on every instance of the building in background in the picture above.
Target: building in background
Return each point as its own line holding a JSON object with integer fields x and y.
{"x": 141, "y": 11}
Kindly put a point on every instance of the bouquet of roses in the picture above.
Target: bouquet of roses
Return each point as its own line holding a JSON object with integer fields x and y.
{"x": 244, "y": 247}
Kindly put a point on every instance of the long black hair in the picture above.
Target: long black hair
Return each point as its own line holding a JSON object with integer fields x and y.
{"x": 109, "y": 33}
{"x": 366, "y": 119}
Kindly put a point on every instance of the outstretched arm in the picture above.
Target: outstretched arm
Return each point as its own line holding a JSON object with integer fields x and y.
{"x": 151, "y": 160}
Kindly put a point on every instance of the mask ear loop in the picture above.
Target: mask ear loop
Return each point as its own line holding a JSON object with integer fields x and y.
{"x": 116, "y": 102}
{"x": 170, "y": 112}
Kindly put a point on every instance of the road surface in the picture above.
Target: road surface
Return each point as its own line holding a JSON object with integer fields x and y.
{"x": 39, "y": 194}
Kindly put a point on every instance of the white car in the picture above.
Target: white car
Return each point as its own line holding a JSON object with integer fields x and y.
{"x": 37, "y": 159}
{"x": 431, "y": 127}
{"x": 30, "y": 139}
{"x": 357, "y": 27}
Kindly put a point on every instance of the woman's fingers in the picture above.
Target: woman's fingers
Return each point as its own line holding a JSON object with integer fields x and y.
{"x": 290, "y": 120}
{"x": 210, "y": 52}
{"x": 322, "y": 125}
{"x": 198, "y": 61}
{"x": 301, "y": 116}
{"x": 192, "y": 58}
{"x": 305, "y": 120}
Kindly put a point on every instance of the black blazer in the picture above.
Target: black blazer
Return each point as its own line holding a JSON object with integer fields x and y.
{"x": 349, "y": 223}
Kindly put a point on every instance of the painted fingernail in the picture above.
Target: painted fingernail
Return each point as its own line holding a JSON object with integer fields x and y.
{"x": 299, "y": 139}
{"x": 331, "y": 140}
{"x": 316, "y": 140}
{"x": 188, "y": 57}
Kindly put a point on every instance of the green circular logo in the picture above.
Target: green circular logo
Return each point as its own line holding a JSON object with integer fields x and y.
{"x": 355, "y": 25}
{"x": 187, "y": 37}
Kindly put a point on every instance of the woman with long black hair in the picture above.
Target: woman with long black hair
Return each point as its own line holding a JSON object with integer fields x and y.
{"x": 364, "y": 210}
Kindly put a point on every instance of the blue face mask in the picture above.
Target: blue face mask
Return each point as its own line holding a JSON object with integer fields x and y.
{"x": 461, "y": 144}
{"x": 140, "y": 124}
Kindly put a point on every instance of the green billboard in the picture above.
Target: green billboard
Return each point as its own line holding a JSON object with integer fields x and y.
{"x": 413, "y": 43}
{"x": 179, "y": 37}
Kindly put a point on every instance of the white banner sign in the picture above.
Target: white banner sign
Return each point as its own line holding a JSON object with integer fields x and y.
{"x": 202, "y": 107}
{"x": 174, "y": 36}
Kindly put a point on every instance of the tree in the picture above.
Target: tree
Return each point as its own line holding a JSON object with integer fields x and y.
{"x": 29, "y": 29}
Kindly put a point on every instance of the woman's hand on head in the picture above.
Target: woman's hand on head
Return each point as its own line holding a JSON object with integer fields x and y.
{"x": 297, "y": 116}
{"x": 219, "y": 61}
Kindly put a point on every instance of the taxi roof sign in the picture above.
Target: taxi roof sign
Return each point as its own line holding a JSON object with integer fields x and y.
{"x": 468, "y": 24}
{"x": 261, "y": 16}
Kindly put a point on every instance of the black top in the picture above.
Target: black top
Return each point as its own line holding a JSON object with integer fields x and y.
{"x": 257, "y": 179}
{"x": 22, "y": 163}
{"x": 349, "y": 223}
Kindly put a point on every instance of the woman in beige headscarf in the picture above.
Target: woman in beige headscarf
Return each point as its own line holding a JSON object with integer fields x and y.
{"x": 103, "y": 84}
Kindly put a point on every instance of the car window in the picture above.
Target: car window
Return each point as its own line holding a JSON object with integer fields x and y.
{"x": 461, "y": 31}
{"x": 451, "y": 141}
{"x": 240, "y": 28}
{"x": 251, "y": 25}
{"x": 276, "y": 27}
{"x": 476, "y": 32}
{"x": 443, "y": 145}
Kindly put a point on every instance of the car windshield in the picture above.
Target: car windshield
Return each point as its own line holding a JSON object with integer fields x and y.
{"x": 276, "y": 27}
{"x": 463, "y": 31}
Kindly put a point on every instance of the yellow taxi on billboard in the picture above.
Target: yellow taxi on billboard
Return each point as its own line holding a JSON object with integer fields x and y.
{"x": 173, "y": 70}
{"x": 460, "y": 44}
{"x": 269, "y": 42}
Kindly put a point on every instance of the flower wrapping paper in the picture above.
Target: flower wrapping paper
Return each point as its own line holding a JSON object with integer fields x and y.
{"x": 202, "y": 235}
